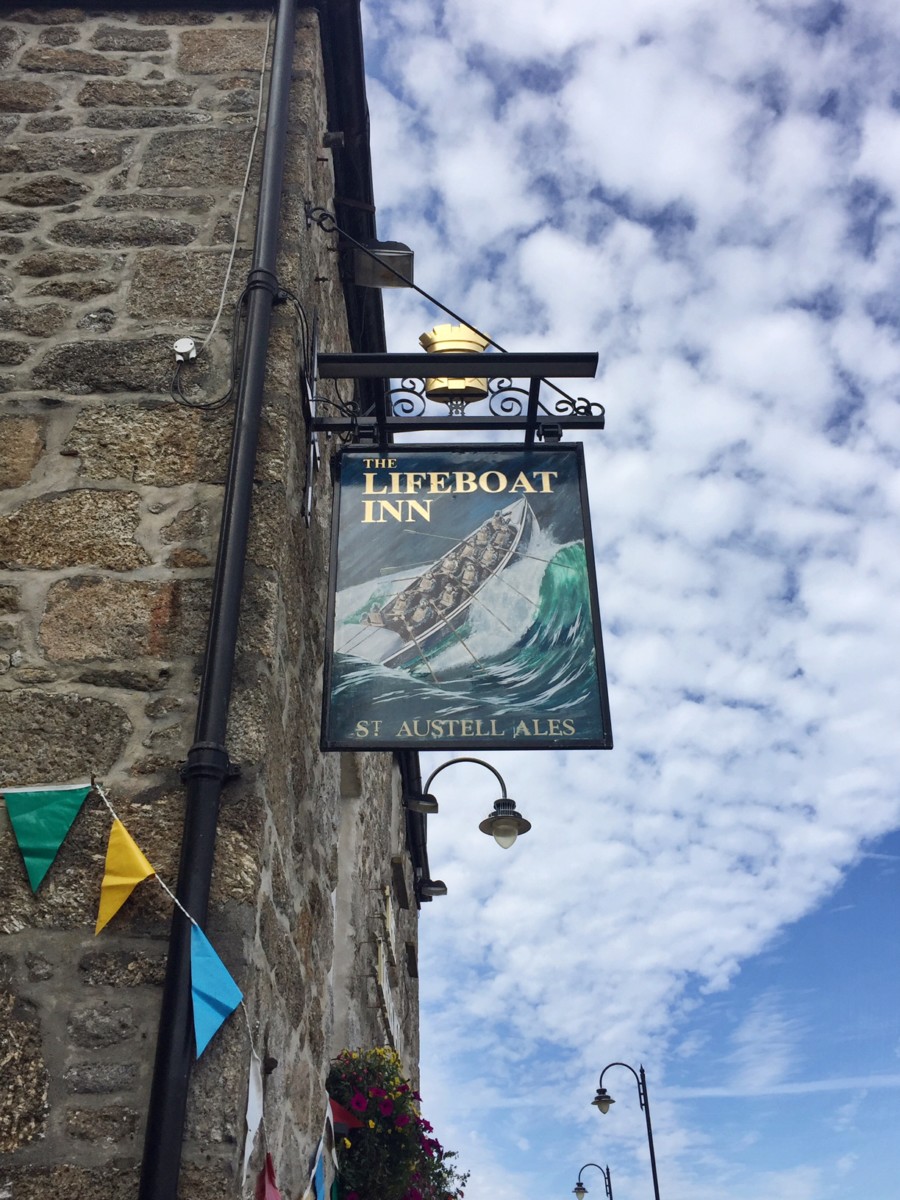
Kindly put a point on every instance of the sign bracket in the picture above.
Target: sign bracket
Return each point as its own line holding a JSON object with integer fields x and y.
{"x": 508, "y": 407}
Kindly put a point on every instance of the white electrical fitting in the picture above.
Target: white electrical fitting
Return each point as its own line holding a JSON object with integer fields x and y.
{"x": 185, "y": 350}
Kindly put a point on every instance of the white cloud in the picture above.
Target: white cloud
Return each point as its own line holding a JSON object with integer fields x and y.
{"x": 764, "y": 1046}
{"x": 702, "y": 193}
{"x": 802, "y": 1088}
{"x": 879, "y": 152}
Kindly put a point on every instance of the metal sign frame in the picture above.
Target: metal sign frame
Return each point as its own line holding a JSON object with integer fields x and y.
{"x": 395, "y": 679}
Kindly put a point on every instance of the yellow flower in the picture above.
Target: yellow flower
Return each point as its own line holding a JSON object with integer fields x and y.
{"x": 371, "y": 1124}
{"x": 347, "y": 1143}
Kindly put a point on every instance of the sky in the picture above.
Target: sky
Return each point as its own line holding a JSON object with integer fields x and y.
{"x": 707, "y": 194}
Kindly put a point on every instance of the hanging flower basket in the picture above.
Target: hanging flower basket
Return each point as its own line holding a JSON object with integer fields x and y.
{"x": 393, "y": 1155}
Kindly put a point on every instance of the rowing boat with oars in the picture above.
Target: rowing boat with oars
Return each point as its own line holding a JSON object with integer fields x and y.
{"x": 434, "y": 605}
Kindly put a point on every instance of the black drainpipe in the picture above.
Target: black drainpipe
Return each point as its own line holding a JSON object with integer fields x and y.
{"x": 208, "y": 767}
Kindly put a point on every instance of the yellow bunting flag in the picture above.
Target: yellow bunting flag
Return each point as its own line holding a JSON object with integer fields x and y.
{"x": 126, "y": 867}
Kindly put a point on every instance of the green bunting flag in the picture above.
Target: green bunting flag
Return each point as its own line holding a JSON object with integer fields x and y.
{"x": 41, "y": 817}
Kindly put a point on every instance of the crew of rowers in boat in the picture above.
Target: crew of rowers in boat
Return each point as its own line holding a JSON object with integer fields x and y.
{"x": 450, "y": 583}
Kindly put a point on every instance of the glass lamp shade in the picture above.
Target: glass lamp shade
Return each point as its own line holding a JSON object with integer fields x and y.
{"x": 504, "y": 832}
{"x": 603, "y": 1100}
{"x": 504, "y": 824}
{"x": 580, "y": 1191}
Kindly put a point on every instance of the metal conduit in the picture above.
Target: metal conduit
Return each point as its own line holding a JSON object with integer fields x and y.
{"x": 208, "y": 768}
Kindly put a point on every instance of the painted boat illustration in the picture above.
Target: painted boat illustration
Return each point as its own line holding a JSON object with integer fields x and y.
{"x": 434, "y": 605}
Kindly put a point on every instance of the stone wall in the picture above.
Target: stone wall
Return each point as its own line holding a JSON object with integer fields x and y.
{"x": 125, "y": 141}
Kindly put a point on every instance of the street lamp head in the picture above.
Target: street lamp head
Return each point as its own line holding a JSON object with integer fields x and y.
{"x": 382, "y": 264}
{"x": 580, "y": 1191}
{"x": 429, "y": 888}
{"x": 504, "y": 824}
{"x": 603, "y": 1100}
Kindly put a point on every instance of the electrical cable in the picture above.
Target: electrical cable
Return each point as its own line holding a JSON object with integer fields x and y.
{"x": 176, "y": 390}
{"x": 328, "y": 224}
{"x": 303, "y": 321}
{"x": 237, "y": 223}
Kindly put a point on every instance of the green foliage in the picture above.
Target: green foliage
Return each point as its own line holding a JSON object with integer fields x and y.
{"x": 394, "y": 1155}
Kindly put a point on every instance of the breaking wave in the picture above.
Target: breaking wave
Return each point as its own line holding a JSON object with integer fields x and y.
{"x": 526, "y": 648}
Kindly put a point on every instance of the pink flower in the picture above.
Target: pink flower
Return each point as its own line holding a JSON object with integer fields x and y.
{"x": 386, "y": 1107}
{"x": 402, "y": 1120}
{"x": 377, "y": 1091}
{"x": 358, "y": 1102}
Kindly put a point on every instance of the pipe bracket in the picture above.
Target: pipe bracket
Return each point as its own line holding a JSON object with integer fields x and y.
{"x": 209, "y": 760}
{"x": 259, "y": 277}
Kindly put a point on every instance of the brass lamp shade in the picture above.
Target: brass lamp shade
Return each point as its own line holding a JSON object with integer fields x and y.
{"x": 454, "y": 339}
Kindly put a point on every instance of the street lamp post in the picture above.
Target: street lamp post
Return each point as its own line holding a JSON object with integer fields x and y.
{"x": 580, "y": 1191}
{"x": 603, "y": 1100}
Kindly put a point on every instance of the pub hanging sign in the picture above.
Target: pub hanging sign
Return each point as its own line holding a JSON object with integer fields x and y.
{"x": 463, "y": 603}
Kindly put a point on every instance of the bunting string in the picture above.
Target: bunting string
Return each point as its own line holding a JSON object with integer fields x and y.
{"x": 211, "y": 1010}
{"x": 41, "y": 817}
{"x": 162, "y": 883}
